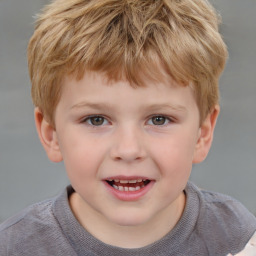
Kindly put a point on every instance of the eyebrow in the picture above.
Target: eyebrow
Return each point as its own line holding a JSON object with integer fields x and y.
{"x": 151, "y": 107}
{"x": 91, "y": 105}
{"x": 176, "y": 107}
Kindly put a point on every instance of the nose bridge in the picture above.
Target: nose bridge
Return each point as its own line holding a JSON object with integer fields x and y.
{"x": 128, "y": 145}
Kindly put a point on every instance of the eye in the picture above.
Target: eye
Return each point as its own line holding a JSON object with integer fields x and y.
{"x": 159, "y": 120}
{"x": 95, "y": 120}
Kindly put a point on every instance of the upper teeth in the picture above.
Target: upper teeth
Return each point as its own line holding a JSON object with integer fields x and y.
{"x": 128, "y": 181}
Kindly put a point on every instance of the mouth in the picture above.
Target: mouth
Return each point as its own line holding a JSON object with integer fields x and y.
{"x": 128, "y": 185}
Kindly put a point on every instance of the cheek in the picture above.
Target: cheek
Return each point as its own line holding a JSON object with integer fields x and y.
{"x": 175, "y": 153}
{"x": 82, "y": 168}
{"x": 82, "y": 156}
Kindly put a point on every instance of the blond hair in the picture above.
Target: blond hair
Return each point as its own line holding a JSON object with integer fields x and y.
{"x": 124, "y": 39}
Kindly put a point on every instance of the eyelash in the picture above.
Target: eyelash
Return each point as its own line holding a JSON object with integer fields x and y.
{"x": 89, "y": 120}
{"x": 166, "y": 120}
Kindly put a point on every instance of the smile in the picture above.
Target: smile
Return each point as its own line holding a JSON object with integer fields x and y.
{"x": 128, "y": 185}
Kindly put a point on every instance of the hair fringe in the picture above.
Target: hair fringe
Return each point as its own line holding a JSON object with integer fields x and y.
{"x": 127, "y": 39}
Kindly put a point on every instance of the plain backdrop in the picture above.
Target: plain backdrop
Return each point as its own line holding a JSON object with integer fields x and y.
{"x": 27, "y": 176}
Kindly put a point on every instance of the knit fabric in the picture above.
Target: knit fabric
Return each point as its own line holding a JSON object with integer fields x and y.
{"x": 212, "y": 224}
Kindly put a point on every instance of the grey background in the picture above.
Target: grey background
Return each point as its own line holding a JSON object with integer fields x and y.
{"x": 27, "y": 176}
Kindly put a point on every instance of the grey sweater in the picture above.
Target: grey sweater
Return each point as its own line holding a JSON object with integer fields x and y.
{"x": 212, "y": 224}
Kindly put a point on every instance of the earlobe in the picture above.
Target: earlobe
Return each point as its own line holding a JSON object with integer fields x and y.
{"x": 48, "y": 137}
{"x": 205, "y": 137}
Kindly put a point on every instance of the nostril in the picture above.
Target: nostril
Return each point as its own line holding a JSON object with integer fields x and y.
{"x": 127, "y": 146}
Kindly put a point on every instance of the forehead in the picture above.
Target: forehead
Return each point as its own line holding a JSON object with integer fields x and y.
{"x": 96, "y": 87}
{"x": 94, "y": 94}
{"x": 145, "y": 79}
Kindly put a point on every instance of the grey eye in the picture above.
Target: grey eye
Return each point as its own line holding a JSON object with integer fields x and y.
{"x": 158, "y": 120}
{"x": 96, "y": 120}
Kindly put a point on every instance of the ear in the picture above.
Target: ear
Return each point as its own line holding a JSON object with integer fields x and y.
{"x": 48, "y": 136}
{"x": 206, "y": 130}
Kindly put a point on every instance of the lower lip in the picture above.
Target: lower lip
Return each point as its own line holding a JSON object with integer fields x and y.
{"x": 129, "y": 195}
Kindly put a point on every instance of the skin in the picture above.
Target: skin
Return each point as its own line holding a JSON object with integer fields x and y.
{"x": 108, "y": 131}
{"x": 250, "y": 248}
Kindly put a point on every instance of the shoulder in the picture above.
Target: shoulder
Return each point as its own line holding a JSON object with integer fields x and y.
{"x": 37, "y": 230}
{"x": 225, "y": 208}
{"x": 35, "y": 213}
{"x": 223, "y": 220}
{"x": 26, "y": 228}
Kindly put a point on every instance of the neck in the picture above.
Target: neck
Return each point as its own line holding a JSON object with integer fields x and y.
{"x": 127, "y": 236}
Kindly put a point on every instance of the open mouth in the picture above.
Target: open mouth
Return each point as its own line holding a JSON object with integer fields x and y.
{"x": 128, "y": 185}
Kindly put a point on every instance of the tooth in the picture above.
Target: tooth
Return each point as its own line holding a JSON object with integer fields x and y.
{"x": 114, "y": 186}
{"x": 132, "y": 188}
{"x": 121, "y": 188}
{"x": 139, "y": 180}
{"x": 138, "y": 188}
{"x": 126, "y": 189}
{"x": 123, "y": 181}
{"x": 116, "y": 180}
{"x": 132, "y": 181}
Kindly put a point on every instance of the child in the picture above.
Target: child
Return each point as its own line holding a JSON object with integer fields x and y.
{"x": 126, "y": 94}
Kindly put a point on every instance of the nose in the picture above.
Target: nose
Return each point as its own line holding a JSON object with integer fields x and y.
{"x": 128, "y": 145}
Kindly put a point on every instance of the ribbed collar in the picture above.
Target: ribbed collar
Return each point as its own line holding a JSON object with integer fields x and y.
{"x": 85, "y": 244}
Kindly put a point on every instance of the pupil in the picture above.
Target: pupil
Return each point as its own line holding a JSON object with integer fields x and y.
{"x": 97, "y": 120}
{"x": 158, "y": 120}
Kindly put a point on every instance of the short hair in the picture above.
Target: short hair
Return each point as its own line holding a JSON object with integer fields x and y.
{"x": 124, "y": 39}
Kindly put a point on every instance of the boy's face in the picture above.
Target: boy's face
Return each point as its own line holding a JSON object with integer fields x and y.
{"x": 114, "y": 138}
